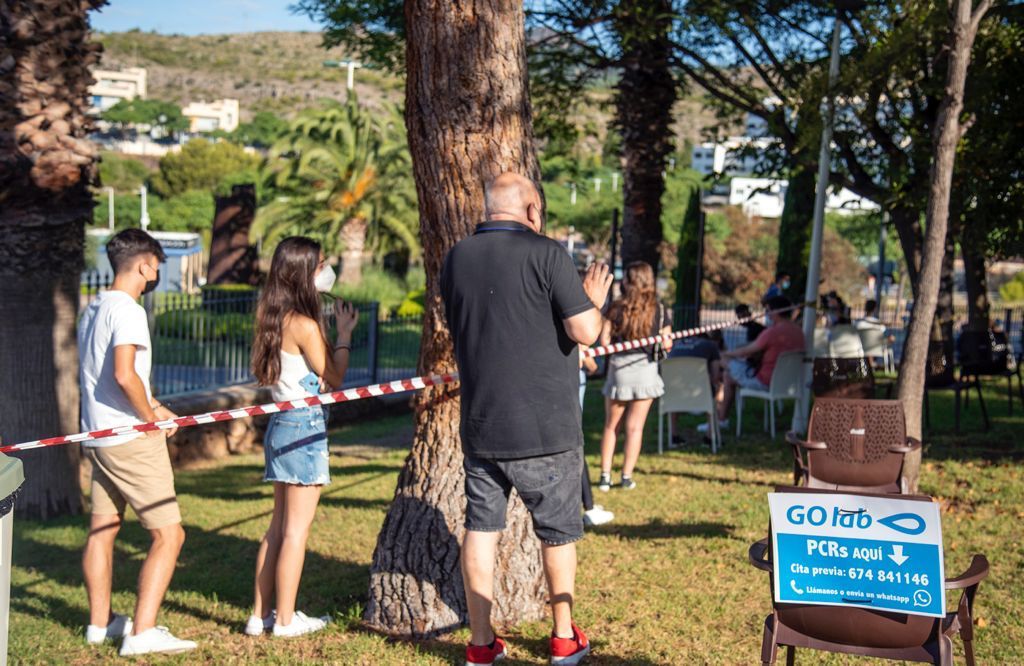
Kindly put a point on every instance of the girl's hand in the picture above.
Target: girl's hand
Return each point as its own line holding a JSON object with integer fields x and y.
{"x": 346, "y": 317}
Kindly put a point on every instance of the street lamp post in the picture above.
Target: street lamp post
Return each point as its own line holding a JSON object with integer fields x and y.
{"x": 350, "y": 65}
{"x": 144, "y": 217}
{"x": 817, "y": 229}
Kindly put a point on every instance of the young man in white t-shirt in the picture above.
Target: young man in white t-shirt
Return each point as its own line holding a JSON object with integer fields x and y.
{"x": 116, "y": 354}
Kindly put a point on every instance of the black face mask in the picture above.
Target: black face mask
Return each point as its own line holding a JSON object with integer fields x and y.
{"x": 151, "y": 284}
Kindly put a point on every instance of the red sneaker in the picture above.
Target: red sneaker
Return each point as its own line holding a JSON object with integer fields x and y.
{"x": 569, "y": 651}
{"x": 485, "y": 655}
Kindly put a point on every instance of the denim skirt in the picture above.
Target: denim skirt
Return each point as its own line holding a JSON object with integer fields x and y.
{"x": 295, "y": 448}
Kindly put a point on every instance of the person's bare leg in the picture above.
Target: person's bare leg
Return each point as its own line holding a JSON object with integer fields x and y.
{"x": 478, "y": 552}
{"x": 728, "y": 394}
{"x": 98, "y": 566}
{"x": 613, "y": 411}
{"x": 266, "y": 558}
{"x": 636, "y": 417}
{"x": 560, "y": 572}
{"x": 156, "y": 574}
{"x": 299, "y": 508}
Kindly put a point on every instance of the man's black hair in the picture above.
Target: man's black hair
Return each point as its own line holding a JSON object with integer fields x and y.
{"x": 742, "y": 310}
{"x": 870, "y": 306}
{"x": 779, "y": 303}
{"x": 130, "y": 243}
{"x": 782, "y": 274}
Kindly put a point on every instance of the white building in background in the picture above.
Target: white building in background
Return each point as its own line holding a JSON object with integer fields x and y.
{"x": 737, "y": 155}
{"x": 113, "y": 86}
{"x": 208, "y": 117}
{"x": 765, "y": 197}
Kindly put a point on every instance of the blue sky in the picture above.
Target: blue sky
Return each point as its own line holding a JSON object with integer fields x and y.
{"x": 192, "y": 17}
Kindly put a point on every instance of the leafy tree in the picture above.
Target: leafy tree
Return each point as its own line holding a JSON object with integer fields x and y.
{"x": 153, "y": 112}
{"x": 201, "y": 165}
{"x": 262, "y": 131}
{"x": 341, "y": 175}
{"x": 1013, "y": 290}
{"x": 121, "y": 172}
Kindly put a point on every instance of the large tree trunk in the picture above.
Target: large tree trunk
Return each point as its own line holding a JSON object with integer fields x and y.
{"x": 948, "y": 131}
{"x": 468, "y": 116}
{"x": 972, "y": 250}
{"x": 795, "y": 227}
{"x": 46, "y": 168}
{"x": 353, "y": 241}
{"x": 643, "y": 101}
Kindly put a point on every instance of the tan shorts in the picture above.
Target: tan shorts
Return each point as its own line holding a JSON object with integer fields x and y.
{"x": 137, "y": 473}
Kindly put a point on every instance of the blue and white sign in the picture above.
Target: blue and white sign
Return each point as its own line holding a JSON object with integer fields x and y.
{"x": 849, "y": 550}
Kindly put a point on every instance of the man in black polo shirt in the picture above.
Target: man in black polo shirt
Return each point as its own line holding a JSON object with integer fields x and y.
{"x": 518, "y": 312}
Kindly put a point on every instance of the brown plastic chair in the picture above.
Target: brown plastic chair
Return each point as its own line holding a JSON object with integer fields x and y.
{"x": 852, "y": 445}
{"x": 866, "y": 632}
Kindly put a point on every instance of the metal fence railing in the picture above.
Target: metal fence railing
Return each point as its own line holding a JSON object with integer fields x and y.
{"x": 202, "y": 341}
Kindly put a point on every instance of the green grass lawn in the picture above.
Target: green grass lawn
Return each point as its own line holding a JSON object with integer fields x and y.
{"x": 666, "y": 583}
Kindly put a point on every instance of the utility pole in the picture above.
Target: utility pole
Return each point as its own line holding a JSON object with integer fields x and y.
{"x": 144, "y": 217}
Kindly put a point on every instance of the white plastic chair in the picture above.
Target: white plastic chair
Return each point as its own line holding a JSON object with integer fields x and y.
{"x": 820, "y": 343}
{"x": 876, "y": 345}
{"x": 844, "y": 342}
{"x": 687, "y": 389}
{"x": 785, "y": 385}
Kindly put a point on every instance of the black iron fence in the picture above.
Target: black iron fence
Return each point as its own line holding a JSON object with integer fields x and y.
{"x": 202, "y": 341}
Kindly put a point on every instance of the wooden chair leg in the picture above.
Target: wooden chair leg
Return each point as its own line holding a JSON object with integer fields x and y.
{"x": 790, "y": 655}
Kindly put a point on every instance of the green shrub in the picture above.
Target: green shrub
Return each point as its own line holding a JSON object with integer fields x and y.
{"x": 377, "y": 285}
{"x": 1013, "y": 290}
{"x": 413, "y": 305}
{"x": 204, "y": 326}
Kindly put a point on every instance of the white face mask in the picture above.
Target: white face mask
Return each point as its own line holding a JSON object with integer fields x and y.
{"x": 324, "y": 280}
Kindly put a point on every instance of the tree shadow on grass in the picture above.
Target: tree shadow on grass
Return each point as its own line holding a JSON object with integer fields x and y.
{"x": 215, "y": 566}
{"x": 658, "y": 529}
{"x": 708, "y": 478}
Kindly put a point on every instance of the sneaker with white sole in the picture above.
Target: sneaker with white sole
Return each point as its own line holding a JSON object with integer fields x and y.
{"x": 257, "y": 626}
{"x": 118, "y": 627}
{"x": 605, "y": 483}
{"x": 722, "y": 425}
{"x": 157, "y": 639}
{"x": 597, "y": 516}
{"x": 300, "y": 625}
{"x": 627, "y": 483}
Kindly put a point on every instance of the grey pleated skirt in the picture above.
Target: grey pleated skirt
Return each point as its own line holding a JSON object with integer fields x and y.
{"x": 632, "y": 376}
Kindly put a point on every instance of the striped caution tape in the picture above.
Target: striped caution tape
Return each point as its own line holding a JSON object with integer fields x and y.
{"x": 346, "y": 395}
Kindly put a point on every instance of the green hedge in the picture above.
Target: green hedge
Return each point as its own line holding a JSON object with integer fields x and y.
{"x": 202, "y": 325}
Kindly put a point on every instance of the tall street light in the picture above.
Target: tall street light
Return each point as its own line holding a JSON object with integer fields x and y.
{"x": 843, "y": 7}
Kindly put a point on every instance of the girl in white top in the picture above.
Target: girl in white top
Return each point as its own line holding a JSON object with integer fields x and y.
{"x": 292, "y": 356}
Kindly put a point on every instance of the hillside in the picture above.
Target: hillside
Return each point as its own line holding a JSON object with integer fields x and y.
{"x": 283, "y": 72}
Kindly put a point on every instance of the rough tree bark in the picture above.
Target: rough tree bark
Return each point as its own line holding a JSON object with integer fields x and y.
{"x": 949, "y": 129}
{"x": 643, "y": 114}
{"x": 46, "y": 168}
{"x": 468, "y": 116}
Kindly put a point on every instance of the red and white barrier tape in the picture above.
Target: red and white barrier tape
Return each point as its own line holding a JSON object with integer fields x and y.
{"x": 346, "y": 395}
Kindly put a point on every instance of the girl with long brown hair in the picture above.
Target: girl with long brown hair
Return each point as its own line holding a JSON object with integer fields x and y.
{"x": 292, "y": 356}
{"x": 633, "y": 380}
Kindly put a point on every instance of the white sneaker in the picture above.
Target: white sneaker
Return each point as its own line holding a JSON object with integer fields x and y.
{"x": 597, "y": 516}
{"x": 118, "y": 627}
{"x": 301, "y": 624}
{"x": 157, "y": 639}
{"x": 256, "y": 626}
{"x": 703, "y": 427}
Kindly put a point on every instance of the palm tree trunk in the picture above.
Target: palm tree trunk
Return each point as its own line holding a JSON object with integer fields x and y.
{"x": 353, "y": 242}
{"x": 644, "y": 99}
{"x": 963, "y": 29}
{"x": 46, "y": 168}
{"x": 468, "y": 116}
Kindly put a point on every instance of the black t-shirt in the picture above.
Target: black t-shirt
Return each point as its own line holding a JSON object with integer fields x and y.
{"x": 506, "y": 291}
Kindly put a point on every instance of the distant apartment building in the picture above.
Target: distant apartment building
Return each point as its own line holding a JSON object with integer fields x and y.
{"x": 765, "y": 197}
{"x": 113, "y": 86}
{"x": 209, "y": 117}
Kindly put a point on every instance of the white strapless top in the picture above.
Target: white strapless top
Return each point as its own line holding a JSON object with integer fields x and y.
{"x": 295, "y": 372}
